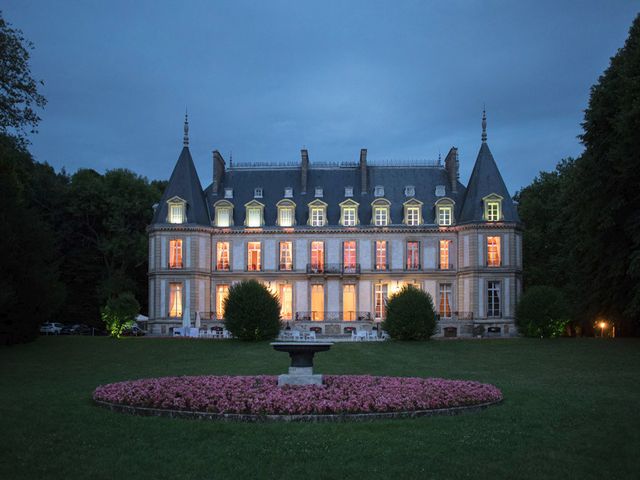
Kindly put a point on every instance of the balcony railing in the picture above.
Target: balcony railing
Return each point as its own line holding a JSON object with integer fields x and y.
{"x": 412, "y": 267}
{"x": 333, "y": 268}
{"x": 286, "y": 267}
{"x": 381, "y": 267}
{"x": 254, "y": 267}
{"x": 348, "y": 316}
{"x": 175, "y": 266}
{"x": 445, "y": 266}
{"x": 223, "y": 267}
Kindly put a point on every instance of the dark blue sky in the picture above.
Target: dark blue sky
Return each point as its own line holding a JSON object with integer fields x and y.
{"x": 405, "y": 79}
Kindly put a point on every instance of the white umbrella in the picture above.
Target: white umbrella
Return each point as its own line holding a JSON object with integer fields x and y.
{"x": 198, "y": 320}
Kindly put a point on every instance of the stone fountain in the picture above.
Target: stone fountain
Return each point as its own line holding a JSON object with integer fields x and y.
{"x": 301, "y": 369}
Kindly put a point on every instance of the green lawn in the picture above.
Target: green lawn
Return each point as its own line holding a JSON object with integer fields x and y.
{"x": 571, "y": 410}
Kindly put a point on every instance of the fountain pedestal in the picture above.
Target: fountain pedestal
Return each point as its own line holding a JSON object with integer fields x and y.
{"x": 301, "y": 369}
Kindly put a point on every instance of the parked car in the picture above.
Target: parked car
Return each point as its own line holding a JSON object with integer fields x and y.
{"x": 134, "y": 331}
{"x": 67, "y": 330}
{"x": 51, "y": 328}
{"x": 76, "y": 329}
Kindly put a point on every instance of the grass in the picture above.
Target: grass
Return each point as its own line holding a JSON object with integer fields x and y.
{"x": 570, "y": 411}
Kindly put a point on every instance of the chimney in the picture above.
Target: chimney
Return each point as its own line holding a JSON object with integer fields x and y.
{"x": 304, "y": 170}
{"x": 363, "y": 171}
{"x": 218, "y": 171}
{"x": 452, "y": 167}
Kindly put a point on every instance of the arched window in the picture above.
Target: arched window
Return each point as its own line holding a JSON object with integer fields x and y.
{"x": 381, "y": 212}
{"x": 444, "y": 212}
{"x": 223, "y": 213}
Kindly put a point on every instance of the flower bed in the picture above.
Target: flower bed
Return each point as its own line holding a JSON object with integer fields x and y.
{"x": 261, "y": 396}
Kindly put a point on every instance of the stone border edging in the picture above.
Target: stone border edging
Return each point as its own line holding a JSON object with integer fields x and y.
{"x": 311, "y": 418}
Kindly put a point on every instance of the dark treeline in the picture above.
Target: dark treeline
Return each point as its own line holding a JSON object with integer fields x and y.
{"x": 582, "y": 221}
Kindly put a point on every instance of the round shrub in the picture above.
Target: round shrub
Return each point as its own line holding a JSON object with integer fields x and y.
{"x": 410, "y": 315}
{"x": 120, "y": 312}
{"x": 542, "y": 312}
{"x": 251, "y": 311}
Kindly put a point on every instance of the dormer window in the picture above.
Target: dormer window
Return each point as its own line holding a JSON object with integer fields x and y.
{"x": 228, "y": 193}
{"x": 409, "y": 191}
{"x": 286, "y": 213}
{"x": 317, "y": 213}
{"x": 378, "y": 191}
{"x": 254, "y": 214}
{"x": 319, "y": 192}
{"x": 348, "y": 191}
{"x": 176, "y": 210}
{"x": 381, "y": 212}
{"x": 223, "y": 213}
{"x": 444, "y": 212}
{"x": 492, "y": 208}
{"x": 288, "y": 192}
{"x": 257, "y": 192}
{"x": 413, "y": 212}
{"x": 349, "y": 213}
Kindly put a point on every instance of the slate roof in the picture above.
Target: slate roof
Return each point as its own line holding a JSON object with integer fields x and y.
{"x": 486, "y": 179}
{"x": 333, "y": 182}
{"x": 184, "y": 183}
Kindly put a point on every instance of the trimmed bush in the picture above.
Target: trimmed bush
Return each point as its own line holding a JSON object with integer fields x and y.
{"x": 120, "y": 313}
{"x": 410, "y": 315}
{"x": 542, "y": 312}
{"x": 251, "y": 311}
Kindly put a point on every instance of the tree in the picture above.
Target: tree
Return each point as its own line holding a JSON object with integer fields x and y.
{"x": 410, "y": 315}
{"x": 251, "y": 311}
{"x": 120, "y": 313}
{"x": 542, "y": 312}
{"x": 19, "y": 96}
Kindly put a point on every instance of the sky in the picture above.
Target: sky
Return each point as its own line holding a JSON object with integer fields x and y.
{"x": 405, "y": 79}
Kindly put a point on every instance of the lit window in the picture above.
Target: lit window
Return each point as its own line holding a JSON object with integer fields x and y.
{"x": 317, "y": 302}
{"x": 445, "y": 300}
{"x": 493, "y": 251}
{"x": 413, "y": 255}
{"x": 224, "y": 213}
{"x": 228, "y": 193}
{"x": 319, "y": 192}
{"x": 288, "y": 192}
{"x": 349, "y": 216}
{"x": 253, "y": 256}
{"x": 286, "y": 258}
{"x": 381, "y": 255}
{"x": 254, "y": 216}
{"x": 349, "y": 256}
{"x": 176, "y": 213}
{"x": 349, "y": 302}
{"x": 348, "y": 191}
{"x": 444, "y": 255}
{"x": 493, "y": 211}
{"x": 493, "y": 299}
{"x": 286, "y": 217}
{"x": 285, "y": 295}
{"x": 317, "y": 216}
{"x": 175, "y": 253}
{"x": 317, "y": 257}
{"x": 221, "y": 295}
{"x": 175, "y": 300}
{"x": 378, "y": 191}
{"x": 381, "y": 294}
{"x": 413, "y": 215}
{"x": 222, "y": 256}
{"x": 444, "y": 215}
{"x": 409, "y": 191}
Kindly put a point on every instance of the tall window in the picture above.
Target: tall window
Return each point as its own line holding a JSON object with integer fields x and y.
{"x": 254, "y": 216}
{"x": 349, "y": 303}
{"x": 493, "y": 299}
{"x": 286, "y": 257}
{"x": 349, "y": 216}
{"x": 444, "y": 254}
{"x": 381, "y": 255}
{"x": 381, "y": 217}
{"x": 175, "y": 300}
{"x": 221, "y": 294}
{"x": 493, "y": 251}
{"x": 222, "y": 256}
{"x": 286, "y": 217}
{"x": 444, "y": 215}
{"x": 253, "y": 256}
{"x": 413, "y": 215}
{"x": 493, "y": 211}
{"x": 175, "y": 253}
{"x": 317, "y": 217}
{"x": 349, "y": 256}
{"x": 317, "y": 256}
{"x": 176, "y": 213}
{"x": 380, "y": 295}
{"x": 223, "y": 217}
{"x": 285, "y": 294}
{"x": 445, "y": 300}
{"x": 413, "y": 255}
{"x": 317, "y": 302}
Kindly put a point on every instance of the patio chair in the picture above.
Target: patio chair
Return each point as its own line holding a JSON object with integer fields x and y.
{"x": 373, "y": 335}
{"x": 362, "y": 335}
{"x": 354, "y": 336}
{"x": 295, "y": 335}
{"x": 311, "y": 336}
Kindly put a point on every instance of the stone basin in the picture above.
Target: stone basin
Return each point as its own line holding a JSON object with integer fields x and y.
{"x": 301, "y": 369}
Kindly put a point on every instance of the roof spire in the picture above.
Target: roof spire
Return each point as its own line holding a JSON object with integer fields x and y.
{"x": 185, "y": 139}
{"x": 484, "y": 125}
